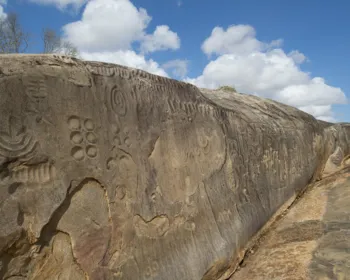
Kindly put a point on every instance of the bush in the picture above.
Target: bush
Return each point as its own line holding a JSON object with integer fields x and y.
{"x": 227, "y": 88}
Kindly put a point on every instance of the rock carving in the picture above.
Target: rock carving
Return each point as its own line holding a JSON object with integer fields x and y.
{"x": 108, "y": 172}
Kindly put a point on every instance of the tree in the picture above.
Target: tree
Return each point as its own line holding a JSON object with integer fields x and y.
{"x": 13, "y": 39}
{"x": 53, "y": 43}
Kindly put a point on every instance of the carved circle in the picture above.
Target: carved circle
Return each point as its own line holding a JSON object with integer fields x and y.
{"x": 190, "y": 226}
{"x": 77, "y": 153}
{"x": 76, "y": 137}
{"x": 111, "y": 162}
{"x": 203, "y": 141}
{"x": 118, "y": 101}
{"x": 120, "y": 192}
{"x": 89, "y": 125}
{"x": 91, "y": 151}
{"x": 74, "y": 123}
{"x": 91, "y": 137}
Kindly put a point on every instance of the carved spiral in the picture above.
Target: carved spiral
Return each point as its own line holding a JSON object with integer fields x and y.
{"x": 118, "y": 102}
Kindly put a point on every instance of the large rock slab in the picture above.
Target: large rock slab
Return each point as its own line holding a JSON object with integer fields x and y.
{"x": 311, "y": 241}
{"x": 108, "y": 172}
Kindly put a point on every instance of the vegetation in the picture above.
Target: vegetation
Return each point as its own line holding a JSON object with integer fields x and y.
{"x": 13, "y": 39}
{"x": 227, "y": 88}
{"x": 53, "y": 43}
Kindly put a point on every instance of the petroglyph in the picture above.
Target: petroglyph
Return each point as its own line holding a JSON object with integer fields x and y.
{"x": 154, "y": 228}
{"x": 41, "y": 173}
{"x": 152, "y": 270}
{"x": 83, "y": 137}
{"x": 118, "y": 101}
{"x": 16, "y": 142}
{"x": 140, "y": 176}
{"x": 101, "y": 70}
{"x": 120, "y": 192}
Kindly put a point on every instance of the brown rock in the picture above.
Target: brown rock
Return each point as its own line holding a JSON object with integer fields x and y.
{"x": 108, "y": 172}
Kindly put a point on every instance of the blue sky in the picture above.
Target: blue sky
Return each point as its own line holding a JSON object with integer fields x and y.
{"x": 293, "y": 51}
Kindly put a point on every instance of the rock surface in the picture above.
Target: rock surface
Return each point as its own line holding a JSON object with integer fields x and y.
{"x": 108, "y": 172}
{"x": 311, "y": 241}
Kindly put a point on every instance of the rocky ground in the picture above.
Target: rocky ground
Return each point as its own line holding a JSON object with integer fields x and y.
{"x": 311, "y": 240}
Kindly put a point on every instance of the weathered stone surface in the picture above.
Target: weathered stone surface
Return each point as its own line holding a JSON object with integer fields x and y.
{"x": 108, "y": 172}
{"x": 311, "y": 241}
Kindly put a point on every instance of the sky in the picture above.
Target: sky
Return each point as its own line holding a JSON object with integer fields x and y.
{"x": 295, "y": 52}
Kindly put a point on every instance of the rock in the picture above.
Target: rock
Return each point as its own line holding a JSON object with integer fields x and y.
{"x": 108, "y": 172}
{"x": 311, "y": 241}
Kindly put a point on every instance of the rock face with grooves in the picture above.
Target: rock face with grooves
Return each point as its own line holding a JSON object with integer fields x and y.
{"x": 108, "y": 172}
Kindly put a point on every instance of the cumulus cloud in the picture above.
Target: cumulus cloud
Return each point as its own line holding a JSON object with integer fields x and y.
{"x": 110, "y": 25}
{"x": 178, "y": 67}
{"x": 109, "y": 29}
{"x": 264, "y": 69}
{"x": 127, "y": 58}
{"x": 61, "y": 4}
{"x": 238, "y": 39}
{"x": 162, "y": 39}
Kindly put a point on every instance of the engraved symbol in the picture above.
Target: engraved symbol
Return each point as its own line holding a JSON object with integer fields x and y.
{"x": 152, "y": 229}
{"x": 37, "y": 92}
{"x": 83, "y": 138}
{"x": 124, "y": 143}
{"x": 37, "y": 174}
{"x": 16, "y": 142}
{"x": 152, "y": 270}
{"x": 40, "y": 173}
{"x": 118, "y": 102}
{"x": 120, "y": 192}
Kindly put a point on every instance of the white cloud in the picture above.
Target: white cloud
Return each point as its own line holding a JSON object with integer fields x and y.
{"x": 255, "y": 67}
{"x": 127, "y": 58}
{"x": 323, "y": 112}
{"x": 178, "y": 67}
{"x": 315, "y": 92}
{"x": 111, "y": 25}
{"x": 2, "y": 13}
{"x": 161, "y": 39}
{"x": 61, "y": 4}
{"x": 108, "y": 25}
{"x": 236, "y": 39}
{"x": 297, "y": 57}
{"x": 109, "y": 29}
